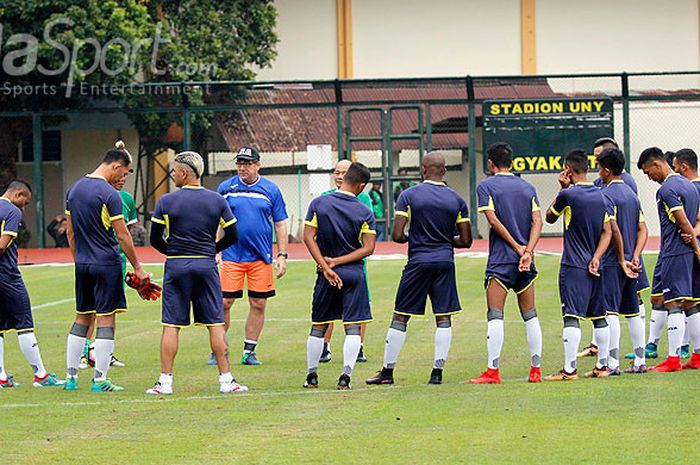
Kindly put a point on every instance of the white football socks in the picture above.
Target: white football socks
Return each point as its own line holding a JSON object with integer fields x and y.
{"x": 572, "y": 338}
{"x": 494, "y": 339}
{"x": 351, "y": 347}
{"x": 636, "y": 326}
{"x": 3, "y": 374}
{"x": 676, "y": 328}
{"x": 657, "y": 322}
{"x": 74, "y": 350}
{"x": 443, "y": 340}
{"x": 693, "y": 329}
{"x": 30, "y": 348}
{"x": 534, "y": 338}
{"x": 614, "y": 348}
{"x": 394, "y": 342}
{"x": 314, "y": 348}
{"x": 602, "y": 337}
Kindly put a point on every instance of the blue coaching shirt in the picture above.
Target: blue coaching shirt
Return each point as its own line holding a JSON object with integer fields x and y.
{"x": 432, "y": 209}
{"x": 93, "y": 204}
{"x": 340, "y": 220}
{"x": 675, "y": 193}
{"x": 626, "y": 178}
{"x": 585, "y": 210}
{"x": 513, "y": 199}
{"x": 191, "y": 217}
{"x": 255, "y": 207}
{"x": 10, "y": 218}
{"x": 628, "y": 214}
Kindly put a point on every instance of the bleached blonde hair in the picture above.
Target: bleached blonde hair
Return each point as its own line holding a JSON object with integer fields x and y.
{"x": 193, "y": 161}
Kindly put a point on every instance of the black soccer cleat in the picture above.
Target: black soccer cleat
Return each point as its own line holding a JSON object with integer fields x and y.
{"x": 436, "y": 376}
{"x": 385, "y": 376}
{"x": 326, "y": 354}
{"x": 344, "y": 382}
{"x": 311, "y": 381}
{"x": 361, "y": 355}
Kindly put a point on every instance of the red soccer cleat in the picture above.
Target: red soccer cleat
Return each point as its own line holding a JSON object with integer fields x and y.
{"x": 694, "y": 363}
{"x": 490, "y": 376}
{"x": 535, "y": 375}
{"x": 669, "y": 365}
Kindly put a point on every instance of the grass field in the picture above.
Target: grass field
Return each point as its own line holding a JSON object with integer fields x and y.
{"x": 651, "y": 418}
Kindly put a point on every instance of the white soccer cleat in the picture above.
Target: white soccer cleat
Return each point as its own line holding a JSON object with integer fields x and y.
{"x": 160, "y": 389}
{"x": 232, "y": 386}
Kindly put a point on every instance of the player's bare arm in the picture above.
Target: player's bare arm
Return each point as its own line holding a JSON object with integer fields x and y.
{"x": 368, "y": 242}
{"x": 686, "y": 228}
{"x": 127, "y": 245}
{"x": 464, "y": 240}
{"x": 501, "y": 230}
{"x": 398, "y": 233}
{"x": 282, "y": 239}
{"x": 603, "y": 244}
{"x": 619, "y": 247}
{"x": 70, "y": 234}
{"x": 310, "y": 242}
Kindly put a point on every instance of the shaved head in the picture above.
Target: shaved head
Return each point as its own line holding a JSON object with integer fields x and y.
{"x": 339, "y": 173}
{"x": 434, "y": 166}
{"x": 343, "y": 165}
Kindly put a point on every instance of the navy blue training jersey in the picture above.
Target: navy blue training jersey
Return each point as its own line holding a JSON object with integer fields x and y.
{"x": 10, "y": 218}
{"x": 513, "y": 199}
{"x": 93, "y": 204}
{"x": 340, "y": 220}
{"x": 192, "y": 217}
{"x": 628, "y": 214}
{"x": 675, "y": 193}
{"x": 626, "y": 178}
{"x": 432, "y": 210}
{"x": 585, "y": 211}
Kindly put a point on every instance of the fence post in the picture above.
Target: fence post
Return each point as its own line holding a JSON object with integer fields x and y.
{"x": 472, "y": 155}
{"x": 38, "y": 178}
{"x": 626, "y": 119}
{"x": 186, "y": 120}
{"x": 339, "y": 119}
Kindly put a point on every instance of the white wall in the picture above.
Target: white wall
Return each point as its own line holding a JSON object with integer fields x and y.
{"x": 307, "y": 47}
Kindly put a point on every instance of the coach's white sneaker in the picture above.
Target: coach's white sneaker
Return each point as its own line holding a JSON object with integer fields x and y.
{"x": 160, "y": 389}
{"x": 232, "y": 386}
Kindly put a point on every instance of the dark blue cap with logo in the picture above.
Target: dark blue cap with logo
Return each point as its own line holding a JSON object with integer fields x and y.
{"x": 248, "y": 153}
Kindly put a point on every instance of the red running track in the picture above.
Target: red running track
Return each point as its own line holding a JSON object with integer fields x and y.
{"x": 296, "y": 251}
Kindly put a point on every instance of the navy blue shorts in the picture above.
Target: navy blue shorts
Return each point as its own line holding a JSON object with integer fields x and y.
{"x": 581, "y": 293}
{"x": 508, "y": 276}
{"x": 15, "y": 309}
{"x": 423, "y": 279}
{"x": 620, "y": 292}
{"x": 673, "y": 277}
{"x": 696, "y": 280}
{"x": 350, "y": 303}
{"x": 195, "y": 283}
{"x": 642, "y": 279}
{"x": 99, "y": 289}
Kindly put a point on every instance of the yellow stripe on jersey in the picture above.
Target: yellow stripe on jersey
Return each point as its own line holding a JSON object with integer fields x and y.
{"x": 641, "y": 217}
{"x": 6, "y": 233}
{"x": 105, "y": 217}
{"x": 669, "y": 212}
{"x": 462, "y": 220}
{"x": 567, "y": 216}
{"x": 166, "y": 219}
{"x": 535, "y": 207}
{"x": 489, "y": 206}
{"x": 400, "y": 213}
{"x": 226, "y": 224}
{"x": 607, "y": 218}
{"x": 556, "y": 213}
{"x": 157, "y": 220}
{"x": 313, "y": 223}
{"x": 365, "y": 229}
{"x": 67, "y": 212}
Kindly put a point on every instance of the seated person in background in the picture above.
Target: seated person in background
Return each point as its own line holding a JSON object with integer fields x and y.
{"x": 57, "y": 230}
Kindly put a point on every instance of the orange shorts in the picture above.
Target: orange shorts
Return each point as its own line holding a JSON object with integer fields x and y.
{"x": 260, "y": 281}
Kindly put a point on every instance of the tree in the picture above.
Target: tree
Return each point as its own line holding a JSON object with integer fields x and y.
{"x": 49, "y": 48}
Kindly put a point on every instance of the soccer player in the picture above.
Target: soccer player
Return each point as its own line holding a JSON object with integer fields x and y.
{"x": 678, "y": 202}
{"x": 130, "y": 218}
{"x": 96, "y": 230}
{"x": 604, "y": 143}
{"x": 513, "y": 211}
{"x": 339, "y": 233}
{"x": 184, "y": 228}
{"x": 685, "y": 163}
{"x": 587, "y": 235}
{"x": 254, "y": 200}
{"x": 431, "y": 210}
{"x": 15, "y": 309}
{"x": 338, "y": 174}
{"x": 621, "y": 290}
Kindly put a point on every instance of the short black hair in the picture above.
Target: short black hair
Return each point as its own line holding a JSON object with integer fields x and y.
{"x": 19, "y": 185}
{"x": 356, "y": 174}
{"x": 669, "y": 157}
{"x": 650, "y": 154}
{"x": 606, "y": 142}
{"x": 612, "y": 159}
{"x": 117, "y": 156}
{"x": 577, "y": 160}
{"x": 500, "y": 154}
{"x": 689, "y": 157}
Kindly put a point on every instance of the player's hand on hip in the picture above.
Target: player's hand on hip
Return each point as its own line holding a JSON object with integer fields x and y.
{"x": 594, "y": 266}
{"x": 280, "y": 266}
{"x": 332, "y": 278}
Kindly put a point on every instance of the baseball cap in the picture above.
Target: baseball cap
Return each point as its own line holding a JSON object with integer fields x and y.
{"x": 248, "y": 153}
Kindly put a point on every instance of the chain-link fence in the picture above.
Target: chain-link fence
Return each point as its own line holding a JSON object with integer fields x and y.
{"x": 303, "y": 128}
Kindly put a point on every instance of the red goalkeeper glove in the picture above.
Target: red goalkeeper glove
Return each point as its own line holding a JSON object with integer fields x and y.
{"x": 147, "y": 289}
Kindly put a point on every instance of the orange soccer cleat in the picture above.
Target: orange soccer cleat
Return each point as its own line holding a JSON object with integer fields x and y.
{"x": 490, "y": 376}
{"x": 669, "y": 365}
{"x": 535, "y": 375}
{"x": 694, "y": 363}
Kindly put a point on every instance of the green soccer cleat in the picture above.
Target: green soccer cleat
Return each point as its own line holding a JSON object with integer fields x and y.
{"x": 71, "y": 384}
{"x": 49, "y": 380}
{"x": 249, "y": 358}
{"x": 105, "y": 386}
{"x": 685, "y": 351}
{"x": 651, "y": 351}
{"x": 9, "y": 383}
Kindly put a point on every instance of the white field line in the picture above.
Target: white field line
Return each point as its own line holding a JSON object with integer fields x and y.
{"x": 53, "y": 304}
